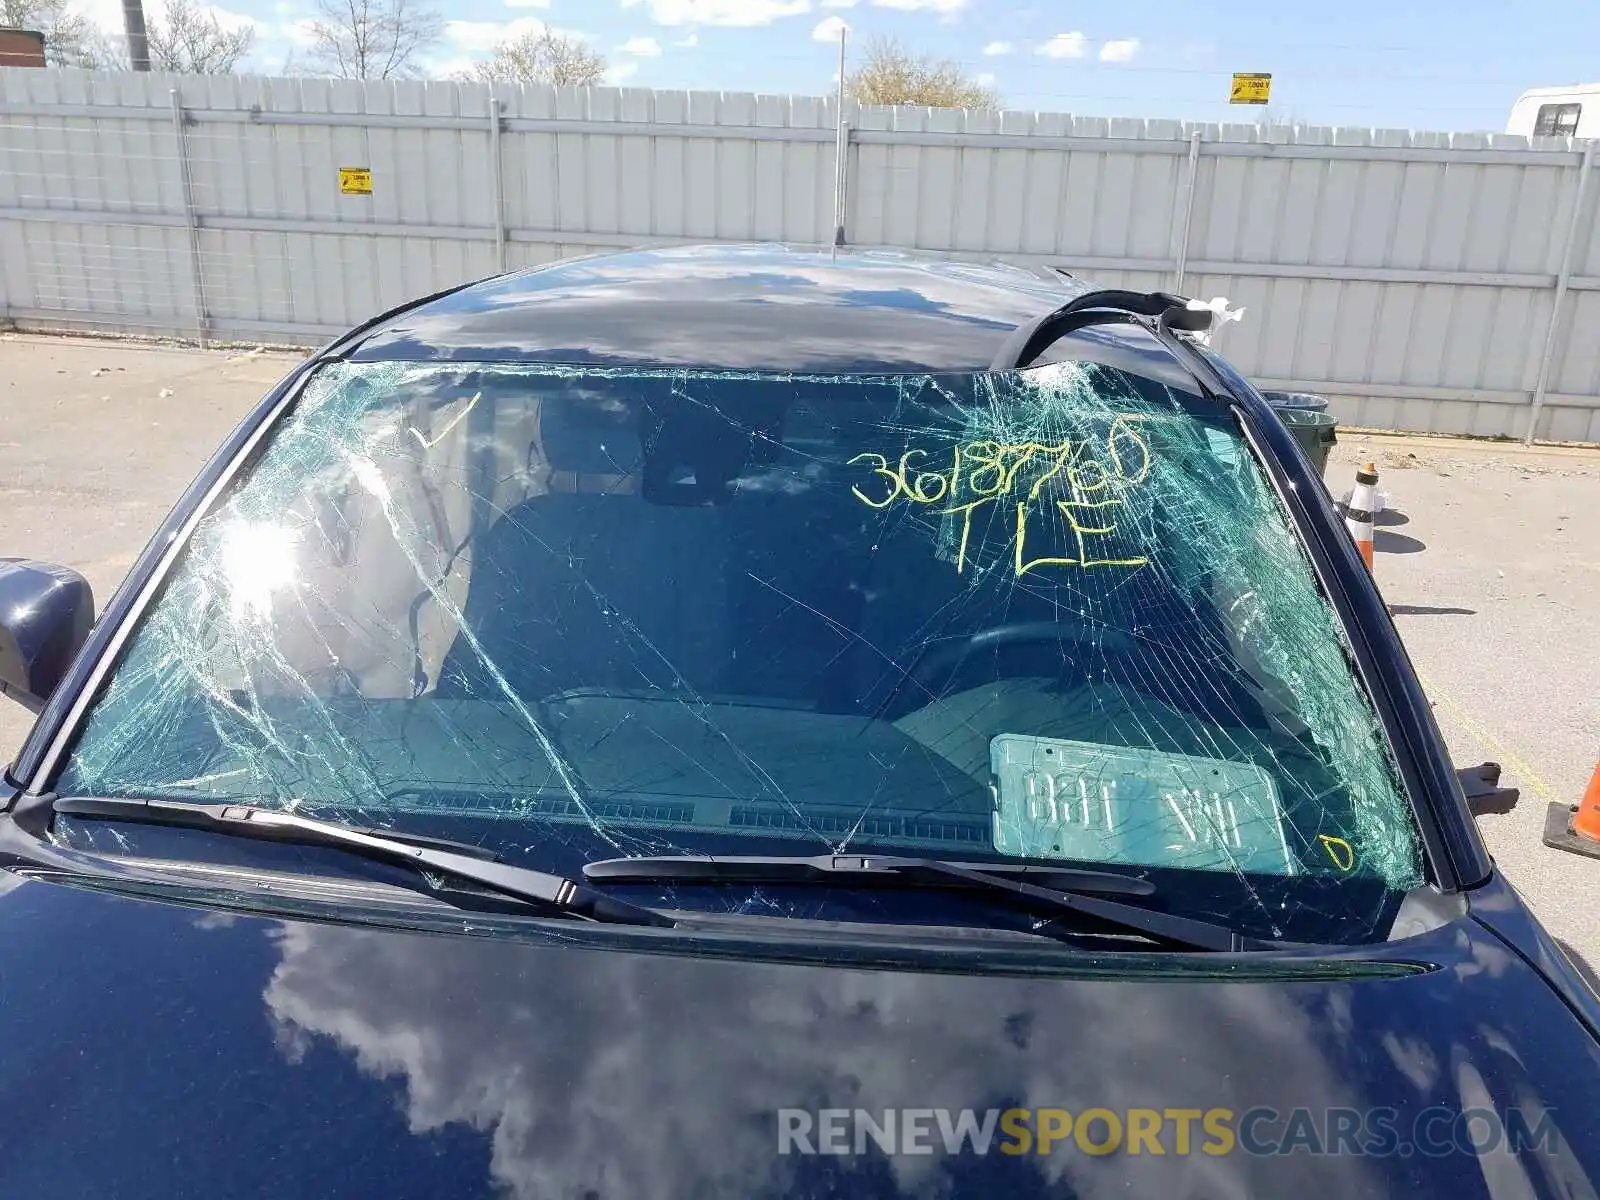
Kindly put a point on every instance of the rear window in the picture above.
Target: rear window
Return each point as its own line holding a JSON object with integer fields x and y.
{"x": 1557, "y": 120}
{"x": 1055, "y": 615}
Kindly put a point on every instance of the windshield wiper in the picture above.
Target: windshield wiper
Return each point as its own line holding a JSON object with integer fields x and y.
{"x": 1064, "y": 890}
{"x": 424, "y": 854}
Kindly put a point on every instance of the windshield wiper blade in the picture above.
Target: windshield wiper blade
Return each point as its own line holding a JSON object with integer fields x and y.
{"x": 1064, "y": 890}
{"x": 425, "y": 854}
{"x": 779, "y": 869}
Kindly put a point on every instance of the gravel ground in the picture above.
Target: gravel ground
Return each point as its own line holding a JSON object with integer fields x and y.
{"x": 1490, "y": 555}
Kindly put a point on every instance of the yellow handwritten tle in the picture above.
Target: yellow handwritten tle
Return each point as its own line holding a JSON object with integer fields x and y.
{"x": 984, "y": 471}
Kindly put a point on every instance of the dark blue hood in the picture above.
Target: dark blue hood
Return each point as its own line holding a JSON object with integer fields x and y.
{"x": 166, "y": 1051}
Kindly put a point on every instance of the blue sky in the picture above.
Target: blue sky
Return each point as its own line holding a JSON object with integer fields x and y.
{"x": 1412, "y": 65}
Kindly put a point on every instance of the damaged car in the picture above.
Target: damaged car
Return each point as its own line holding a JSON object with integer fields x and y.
{"x": 759, "y": 721}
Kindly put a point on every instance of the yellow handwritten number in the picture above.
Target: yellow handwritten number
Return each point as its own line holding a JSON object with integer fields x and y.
{"x": 988, "y": 457}
{"x": 918, "y": 489}
{"x": 1339, "y": 850}
{"x": 896, "y": 483}
{"x": 1141, "y": 456}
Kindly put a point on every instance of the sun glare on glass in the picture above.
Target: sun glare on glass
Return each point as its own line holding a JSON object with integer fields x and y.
{"x": 258, "y": 559}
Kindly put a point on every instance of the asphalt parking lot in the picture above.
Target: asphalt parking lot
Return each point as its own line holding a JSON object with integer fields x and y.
{"x": 1489, "y": 557}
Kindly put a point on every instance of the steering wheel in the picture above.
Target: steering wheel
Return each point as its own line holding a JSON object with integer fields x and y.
{"x": 939, "y": 657}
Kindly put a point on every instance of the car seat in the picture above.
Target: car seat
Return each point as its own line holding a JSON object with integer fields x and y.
{"x": 614, "y": 578}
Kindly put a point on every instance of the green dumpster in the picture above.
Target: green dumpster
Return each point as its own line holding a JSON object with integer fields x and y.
{"x": 1309, "y": 400}
{"x": 1314, "y": 431}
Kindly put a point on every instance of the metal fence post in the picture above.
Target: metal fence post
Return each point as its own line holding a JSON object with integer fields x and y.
{"x": 191, "y": 221}
{"x": 841, "y": 152}
{"x": 1188, "y": 213}
{"x": 1563, "y": 276}
{"x": 498, "y": 175}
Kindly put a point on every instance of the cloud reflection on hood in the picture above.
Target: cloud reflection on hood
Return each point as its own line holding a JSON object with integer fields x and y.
{"x": 645, "y": 1077}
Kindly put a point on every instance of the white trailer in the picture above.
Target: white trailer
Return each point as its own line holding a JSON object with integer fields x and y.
{"x": 1569, "y": 111}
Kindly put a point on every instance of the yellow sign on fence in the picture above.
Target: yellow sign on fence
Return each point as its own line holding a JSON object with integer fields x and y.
{"x": 355, "y": 181}
{"x": 1250, "y": 88}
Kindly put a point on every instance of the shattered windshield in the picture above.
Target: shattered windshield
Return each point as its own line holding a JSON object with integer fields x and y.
{"x": 1054, "y": 615}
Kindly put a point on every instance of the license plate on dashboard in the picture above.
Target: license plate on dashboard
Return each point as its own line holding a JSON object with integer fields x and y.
{"x": 1057, "y": 798}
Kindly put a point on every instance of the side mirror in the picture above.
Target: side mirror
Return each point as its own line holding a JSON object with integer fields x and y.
{"x": 1481, "y": 785}
{"x": 45, "y": 615}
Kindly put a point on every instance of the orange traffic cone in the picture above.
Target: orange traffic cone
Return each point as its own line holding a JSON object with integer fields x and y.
{"x": 1361, "y": 513}
{"x": 1576, "y": 827}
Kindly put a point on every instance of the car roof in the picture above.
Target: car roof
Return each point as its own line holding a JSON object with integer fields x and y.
{"x": 735, "y": 307}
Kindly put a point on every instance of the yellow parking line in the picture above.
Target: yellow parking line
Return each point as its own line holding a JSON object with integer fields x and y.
{"x": 1526, "y": 775}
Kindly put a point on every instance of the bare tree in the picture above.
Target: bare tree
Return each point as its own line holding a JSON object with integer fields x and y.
{"x": 193, "y": 41}
{"x": 891, "y": 74}
{"x": 188, "y": 40}
{"x": 543, "y": 57}
{"x": 371, "y": 39}
{"x": 69, "y": 39}
{"x": 1271, "y": 114}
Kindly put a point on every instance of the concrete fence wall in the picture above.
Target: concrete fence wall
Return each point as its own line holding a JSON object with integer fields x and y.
{"x": 1430, "y": 282}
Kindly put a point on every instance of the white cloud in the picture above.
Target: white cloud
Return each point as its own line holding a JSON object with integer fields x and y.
{"x": 641, "y": 47}
{"x": 827, "y": 29}
{"x": 231, "y": 20}
{"x": 438, "y": 1025}
{"x": 450, "y": 68}
{"x": 299, "y": 32}
{"x": 619, "y": 73}
{"x": 764, "y": 12}
{"x": 481, "y": 37}
{"x": 1119, "y": 51}
{"x": 720, "y": 12}
{"x": 107, "y": 14}
{"x": 998, "y": 48}
{"x": 692, "y": 40}
{"x": 1064, "y": 45}
{"x": 984, "y": 79}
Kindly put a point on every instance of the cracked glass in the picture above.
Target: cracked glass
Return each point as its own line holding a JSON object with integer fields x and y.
{"x": 1055, "y": 615}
